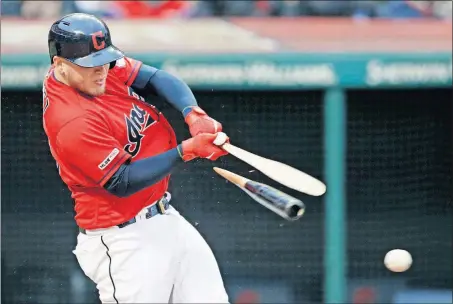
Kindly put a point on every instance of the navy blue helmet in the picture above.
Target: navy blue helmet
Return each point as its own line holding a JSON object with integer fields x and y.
{"x": 84, "y": 40}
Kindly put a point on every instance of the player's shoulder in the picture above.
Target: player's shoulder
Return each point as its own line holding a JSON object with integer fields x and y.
{"x": 120, "y": 66}
{"x": 124, "y": 68}
{"x": 62, "y": 105}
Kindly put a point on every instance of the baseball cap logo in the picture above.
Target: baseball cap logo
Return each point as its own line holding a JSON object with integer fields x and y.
{"x": 96, "y": 44}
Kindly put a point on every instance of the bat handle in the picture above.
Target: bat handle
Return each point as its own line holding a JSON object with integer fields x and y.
{"x": 226, "y": 147}
{"x": 220, "y": 140}
{"x": 238, "y": 152}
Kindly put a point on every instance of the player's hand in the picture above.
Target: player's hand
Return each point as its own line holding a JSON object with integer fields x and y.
{"x": 199, "y": 122}
{"x": 203, "y": 145}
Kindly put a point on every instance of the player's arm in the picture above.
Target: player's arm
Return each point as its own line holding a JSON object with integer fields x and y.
{"x": 87, "y": 146}
{"x": 132, "y": 177}
{"x": 177, "y": 93}
{"x": 163, "y": 84}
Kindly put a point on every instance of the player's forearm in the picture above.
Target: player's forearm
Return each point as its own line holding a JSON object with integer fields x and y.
{"x": 175, "y": 91}
{"x": 136, "y": 176}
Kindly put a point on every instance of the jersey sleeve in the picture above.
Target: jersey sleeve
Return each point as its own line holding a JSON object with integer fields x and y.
{"x": 126, "y": 69}
{"x": 86, "y": 144}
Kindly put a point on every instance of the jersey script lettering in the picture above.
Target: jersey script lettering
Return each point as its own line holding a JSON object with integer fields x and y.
{"x": 137, "y": 121}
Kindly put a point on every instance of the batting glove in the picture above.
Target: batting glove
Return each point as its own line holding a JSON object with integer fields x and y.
{"x": 199, "y": 122}
{"x": 204, "y": 146}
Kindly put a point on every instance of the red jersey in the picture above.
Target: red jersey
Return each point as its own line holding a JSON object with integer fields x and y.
{"x": 91, "y": 137}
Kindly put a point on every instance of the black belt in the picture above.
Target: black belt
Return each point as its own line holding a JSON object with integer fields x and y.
{"x": 160, "y": 207}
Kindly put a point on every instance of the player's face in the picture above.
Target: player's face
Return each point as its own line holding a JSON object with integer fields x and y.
{"x": 88, "y": 80}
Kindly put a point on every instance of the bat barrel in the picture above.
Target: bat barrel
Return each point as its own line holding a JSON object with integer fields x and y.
{"x": 275, "y": 200}
{"x": 291, "y": 207}
{"x": 296, "y": 210}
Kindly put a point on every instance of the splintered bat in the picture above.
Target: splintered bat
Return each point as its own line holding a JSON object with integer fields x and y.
{"x": 282, "y": 173}
{"x": 286, "y": 206}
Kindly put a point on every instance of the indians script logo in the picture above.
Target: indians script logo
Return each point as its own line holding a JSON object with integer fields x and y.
{"x": 137, "y": 122}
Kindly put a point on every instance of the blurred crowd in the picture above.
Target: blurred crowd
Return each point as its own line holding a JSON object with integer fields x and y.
{"x": 34, "y": 9}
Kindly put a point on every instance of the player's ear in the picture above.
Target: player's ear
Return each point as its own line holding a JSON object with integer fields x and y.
{"x": 59, "y": 64}
{"x": 54, "y": 60}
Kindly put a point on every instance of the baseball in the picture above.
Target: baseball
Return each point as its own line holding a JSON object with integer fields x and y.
{"x": 398, "y": 260}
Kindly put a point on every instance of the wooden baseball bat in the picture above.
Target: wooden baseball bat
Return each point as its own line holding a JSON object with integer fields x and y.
{"x": 282, "y": 173}
{"x": 286, "y": 206}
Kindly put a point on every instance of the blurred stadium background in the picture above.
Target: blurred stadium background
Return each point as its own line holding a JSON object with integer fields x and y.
{"x": 357, "y": 93}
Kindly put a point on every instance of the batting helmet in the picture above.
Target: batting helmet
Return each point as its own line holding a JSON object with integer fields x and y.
{"x": 84, "y": 40}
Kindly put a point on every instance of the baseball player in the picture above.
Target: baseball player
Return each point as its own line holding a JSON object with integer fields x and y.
{"x": 115, "y": 152}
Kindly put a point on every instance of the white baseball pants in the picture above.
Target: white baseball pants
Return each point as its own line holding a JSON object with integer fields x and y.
{"x": 162, "y": 259}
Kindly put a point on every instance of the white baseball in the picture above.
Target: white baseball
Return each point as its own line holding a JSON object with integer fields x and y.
{"x": 220, "y": 139}
{"x": 398, "y": 260}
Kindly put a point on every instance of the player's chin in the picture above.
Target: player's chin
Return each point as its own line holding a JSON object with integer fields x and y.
{"x": 97, "y": 91}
